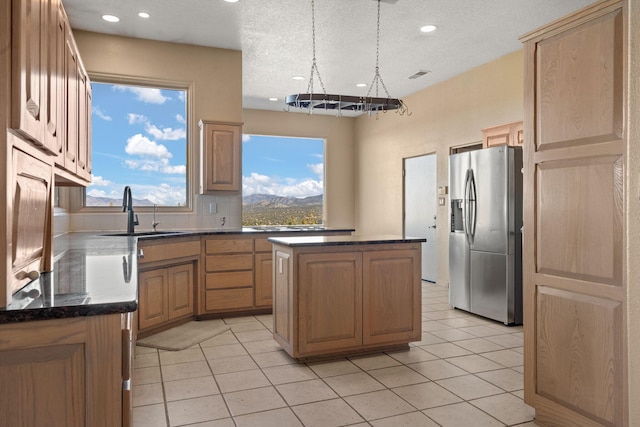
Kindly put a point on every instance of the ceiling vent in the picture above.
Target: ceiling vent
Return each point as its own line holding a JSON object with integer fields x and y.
{"x": 418, "y": 74}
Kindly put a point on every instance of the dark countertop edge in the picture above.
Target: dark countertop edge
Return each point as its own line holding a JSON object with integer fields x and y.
{"x": 195, "y": 233}
{"x": 300, "y": 241}
{"x": 47, "y": 313}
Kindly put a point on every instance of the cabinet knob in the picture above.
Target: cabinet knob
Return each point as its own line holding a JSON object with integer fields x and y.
{"x": 33, "y": 275}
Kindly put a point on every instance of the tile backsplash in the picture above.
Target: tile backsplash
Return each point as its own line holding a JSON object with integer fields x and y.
{"x": 228, "y": 215}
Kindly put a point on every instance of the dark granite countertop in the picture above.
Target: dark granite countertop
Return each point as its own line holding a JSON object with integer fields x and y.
{"x": 96, "y": 273}
{"x": 299, "y": 241}
{"x": 91, "y": 275}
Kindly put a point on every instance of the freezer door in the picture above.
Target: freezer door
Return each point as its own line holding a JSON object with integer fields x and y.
{"x": 458, "y": 166}
{"x": 458, "y": 271}
{"x": 489, "y": 281}
{"x": 488, "y": 211}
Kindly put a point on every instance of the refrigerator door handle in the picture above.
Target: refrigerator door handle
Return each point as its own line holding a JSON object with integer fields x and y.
{"x": 465, "y": 207}
{"x": 473, "y": 212}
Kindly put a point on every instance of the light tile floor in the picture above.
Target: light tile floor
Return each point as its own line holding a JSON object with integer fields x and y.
{"x": 466, "y": 371}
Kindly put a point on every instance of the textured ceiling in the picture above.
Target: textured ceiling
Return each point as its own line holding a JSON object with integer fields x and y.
{"x": 275, "y": 37}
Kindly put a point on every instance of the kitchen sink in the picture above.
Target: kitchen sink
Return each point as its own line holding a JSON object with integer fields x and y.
{"x": 142, "y": 233}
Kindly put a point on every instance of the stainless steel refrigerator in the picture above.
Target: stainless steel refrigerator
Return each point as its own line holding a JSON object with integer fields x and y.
{"x": 485, "y": 239}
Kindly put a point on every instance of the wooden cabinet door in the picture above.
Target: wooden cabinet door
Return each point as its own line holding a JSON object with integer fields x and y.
{"x": 61, "y": 372}
{"x": 220, "y": 157}
{"x": 180, "y": 290}
{"x": 153, "y": 293}
{"x": 29, "y": 34}
{"x": 32, "y": 208}
{"x": 391, "y": 296}
{"x": 263, "y": 280}
{"x": 84, "y": 123}
{"x": 329, "y": 302}
{"x": 71, "y": 77}
{"x": 574, "y": 227}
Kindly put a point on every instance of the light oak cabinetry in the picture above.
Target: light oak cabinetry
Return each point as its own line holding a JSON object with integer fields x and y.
{"x": 575, "y": 292}
{"x": 228, "y": 275}
{"x": 508, "y": 134}
{"x": 353, "y": 298}
{"x": 237, "y": 276}
{"x": 29, "y": 211}
{"x": 62, "y": 372}
{"x": 167, "y": 282}
{"x": 220, "y": 157}
{"x": 263, "y": 273}
{"x": 45, "y": 95}
{"x": 51, "y": 91}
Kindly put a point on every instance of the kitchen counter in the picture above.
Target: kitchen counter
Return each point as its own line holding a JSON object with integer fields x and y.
{"x": 96, "y": 274}
{"x": 301, "y": 241}
{"x": 345, "y": 295}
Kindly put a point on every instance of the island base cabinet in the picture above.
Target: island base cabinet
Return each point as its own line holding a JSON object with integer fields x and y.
{"x": 339, "y": 300}
{"x": 391, "y": 298}
{"x": 61, "y": 372}
{"x": 330, "y": 302}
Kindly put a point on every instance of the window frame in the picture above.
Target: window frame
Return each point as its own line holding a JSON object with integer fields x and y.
{"x": 76, "y": 201}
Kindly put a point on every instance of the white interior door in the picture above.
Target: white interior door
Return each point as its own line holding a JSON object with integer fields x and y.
{"x": 420, "y": 205}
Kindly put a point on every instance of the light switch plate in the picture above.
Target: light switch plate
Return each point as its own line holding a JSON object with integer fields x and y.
{"x": 213, "y": 208}
{"x": 441, "y": 201}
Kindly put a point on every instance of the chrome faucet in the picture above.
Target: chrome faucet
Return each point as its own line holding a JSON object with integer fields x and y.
{"x": 155, "y": 223}
{"x": 127, "y": 205}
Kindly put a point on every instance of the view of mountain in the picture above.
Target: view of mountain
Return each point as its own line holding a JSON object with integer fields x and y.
{"x": 271, "y": 201}
{"x": 109, "y": 201}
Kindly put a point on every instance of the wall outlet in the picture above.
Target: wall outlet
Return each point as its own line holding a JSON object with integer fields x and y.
{"x": 213, "y": 207}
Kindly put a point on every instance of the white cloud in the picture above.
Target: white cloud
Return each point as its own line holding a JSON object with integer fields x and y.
{"x": 182, "y": 95}
{"x": 162, "y": 194}
{"x": 155, "y": 165}
{"x": 143, "y": 146}
{"x": 180, "y": 119}
{"x": 136, "y": 118}
{"x": 98, "y": 181}
{"x": 317, "y": 168}
{"x": 290, "y": 187}
{"x": 96, "y": 193}
{"x": 166, "y": 133}
{"x": 145, "y": 94}
{"x": 246, "y": 137}
{"x": 99, "y": 113}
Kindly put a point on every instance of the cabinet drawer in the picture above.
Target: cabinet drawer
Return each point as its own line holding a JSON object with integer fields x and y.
{"x": 225, "y": 246}
{"x": 228, "y": 299}
{"x": 234, "y": 279}
{"x": 263, "y": 245}
{"x": 229, "y": 262}
{"x": 169, "y": 251}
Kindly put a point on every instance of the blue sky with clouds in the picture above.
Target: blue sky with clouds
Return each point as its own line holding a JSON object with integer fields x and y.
{"x": 139, "y": 139}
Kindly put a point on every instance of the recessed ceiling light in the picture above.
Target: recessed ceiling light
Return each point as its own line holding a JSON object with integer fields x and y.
{"x": 273, "y": 99}
{"x": 428, "y": 28}
{"x": 110, "y": 18}
{"x": 297, "y": 78}
{"x": 231, "y": 1}
{"x": 361, "y": 85}
{"x": 143, "y": 14}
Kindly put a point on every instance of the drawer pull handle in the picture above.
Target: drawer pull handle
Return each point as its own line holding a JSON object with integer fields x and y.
{"x": 33, "y": 275}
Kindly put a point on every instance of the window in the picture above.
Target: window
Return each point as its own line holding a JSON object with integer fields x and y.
{"x": 139, "y": 139}
{"x": 282, "y": 180}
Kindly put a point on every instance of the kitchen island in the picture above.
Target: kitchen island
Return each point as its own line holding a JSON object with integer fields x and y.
{"x": 337, "y": 295}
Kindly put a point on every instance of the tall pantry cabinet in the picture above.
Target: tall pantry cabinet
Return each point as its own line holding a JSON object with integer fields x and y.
{"x": 575, "y": 287}
{"x": 45, "y": 135}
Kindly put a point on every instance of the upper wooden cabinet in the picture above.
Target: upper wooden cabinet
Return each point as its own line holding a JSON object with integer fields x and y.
{"x": 51, "y": 94}
{"x": 507, "y": 134}
{"x": 220, "y": 157}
